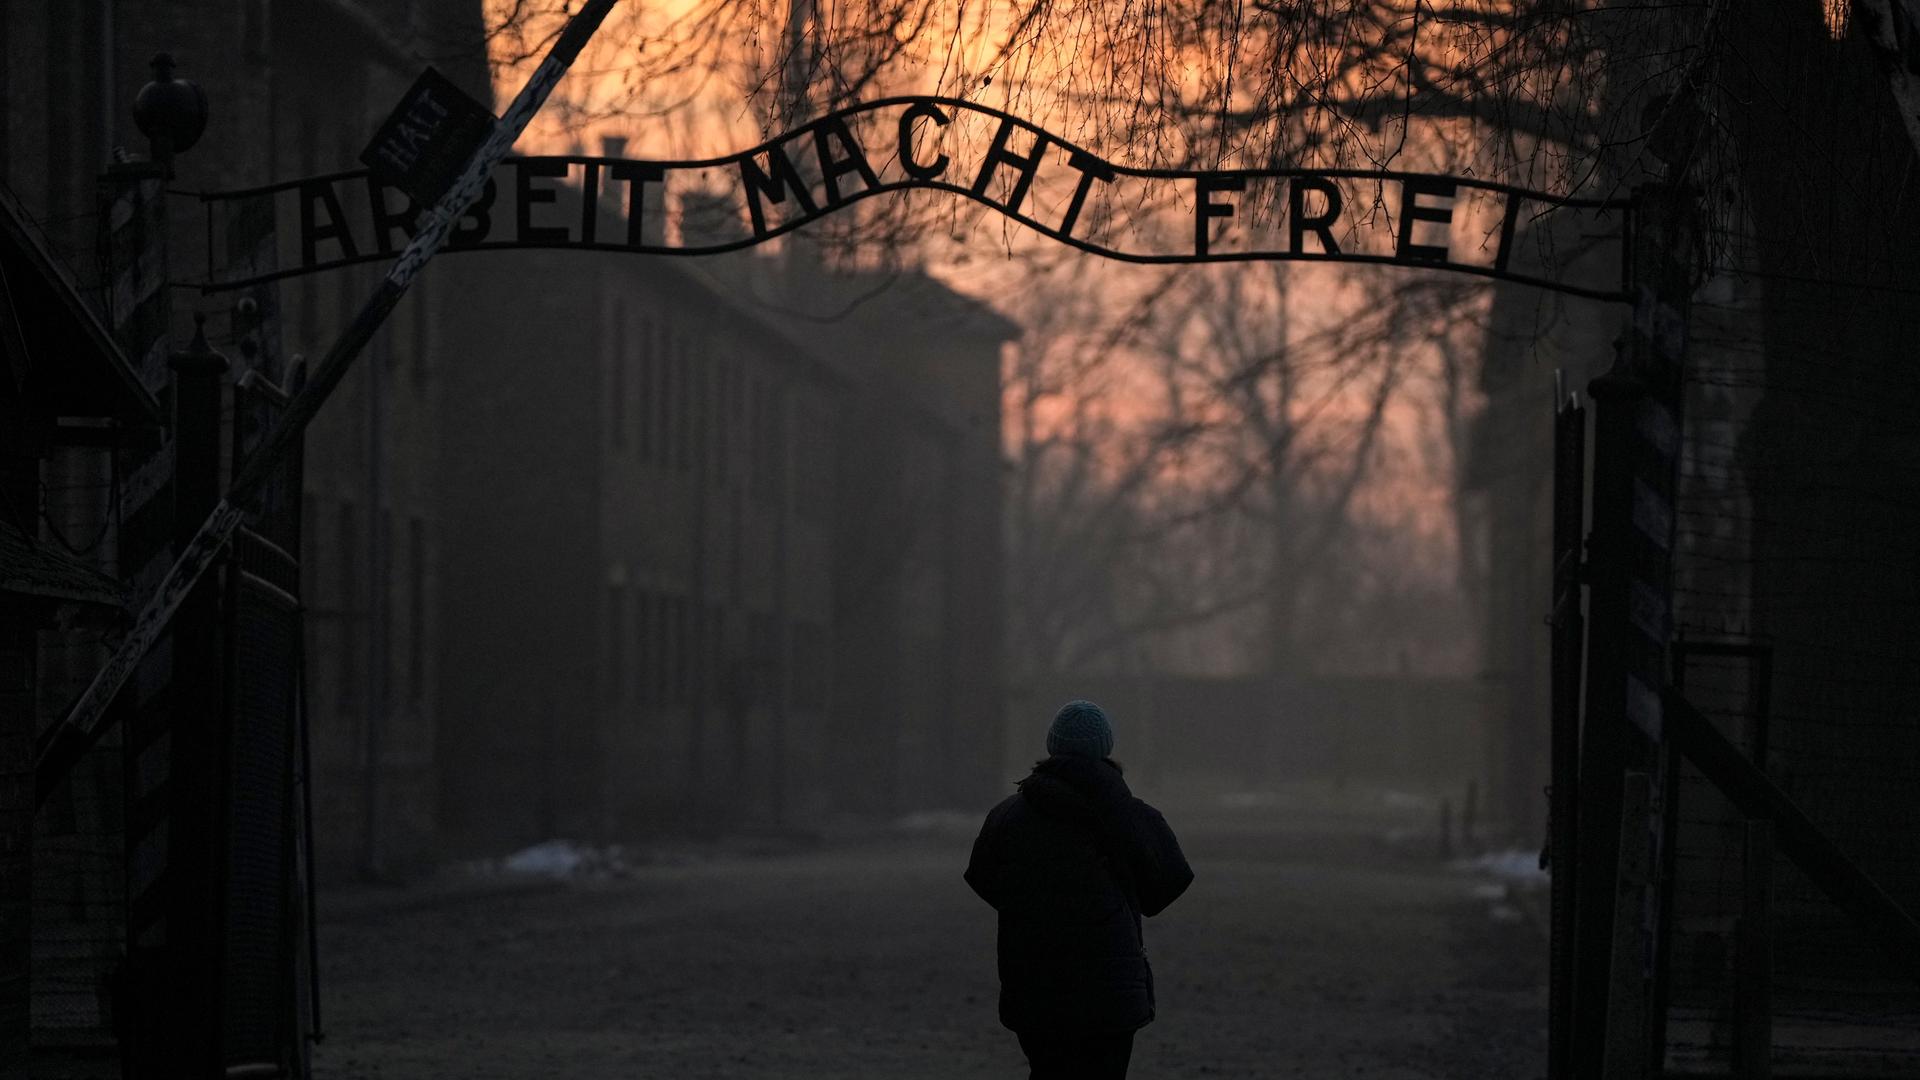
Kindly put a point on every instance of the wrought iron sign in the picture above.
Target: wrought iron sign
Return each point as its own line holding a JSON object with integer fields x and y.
{"x": 990, "y": 157}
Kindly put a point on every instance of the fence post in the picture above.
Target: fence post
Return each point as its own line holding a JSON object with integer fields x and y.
{"x": 1568, "y": 635}
{"x": 1636, "y": 457}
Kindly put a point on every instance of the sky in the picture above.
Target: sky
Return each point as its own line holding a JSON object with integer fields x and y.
{"x": 681, "y": 113}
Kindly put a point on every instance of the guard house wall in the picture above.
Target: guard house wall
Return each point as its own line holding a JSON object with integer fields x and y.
{"x": 1794, "y": 519}
{"x": 294, "y": 87}
{"x": 1830, "y": 452}
{"x": 65, "y": 92}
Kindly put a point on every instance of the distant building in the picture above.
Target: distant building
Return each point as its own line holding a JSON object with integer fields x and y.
{"x": 634, "y": 491}
{"x": 710, "y": 563}
{"x": 919, "y": 701}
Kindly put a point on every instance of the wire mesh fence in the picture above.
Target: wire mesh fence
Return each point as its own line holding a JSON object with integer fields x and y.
{"x": 79, "y": 889}
{"x": 1796, "y": 608}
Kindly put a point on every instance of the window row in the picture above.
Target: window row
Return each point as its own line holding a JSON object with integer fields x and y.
{"x": 337, "y": 545}
{"x": 654, "y": 640}
{"x": 680, "y": 408}
{"x": 648, "y": 656}
{"x": 651, "y": 393}
{"x": 404, "y": 340}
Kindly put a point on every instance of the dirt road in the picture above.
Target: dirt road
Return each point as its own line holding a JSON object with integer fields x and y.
{"x": 1288, "y": 958}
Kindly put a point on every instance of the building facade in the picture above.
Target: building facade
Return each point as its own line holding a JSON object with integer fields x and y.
{"x": 712, "y": 565}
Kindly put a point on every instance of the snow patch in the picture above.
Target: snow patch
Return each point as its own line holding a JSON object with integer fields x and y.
{"x": 1513, "y": 865}
{"x": 566, "y": 860}
{"x": 551, "y": 858}
{"x": 1402, "y": 800}
{"x": 938, "y": 823}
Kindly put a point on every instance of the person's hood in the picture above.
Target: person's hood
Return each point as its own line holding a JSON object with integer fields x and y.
{"x": 1082, "y": 789}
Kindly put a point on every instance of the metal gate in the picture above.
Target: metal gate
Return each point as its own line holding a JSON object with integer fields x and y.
{"x": 262, "y": 891}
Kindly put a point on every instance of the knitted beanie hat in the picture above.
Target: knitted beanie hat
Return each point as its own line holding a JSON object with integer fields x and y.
{"x": 1080, "y": 728}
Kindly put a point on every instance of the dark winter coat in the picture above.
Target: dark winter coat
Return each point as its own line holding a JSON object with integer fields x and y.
{"x": 1071, "y": 862}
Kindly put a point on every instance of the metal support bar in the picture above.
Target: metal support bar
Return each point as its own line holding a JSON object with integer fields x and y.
{"x": 1568, "y": 638}
{"x": 1756, "y": 796}
{"x": 1759, "y": 655}
{"x": 65, "y": 742}
{"x": 257, "y": 383}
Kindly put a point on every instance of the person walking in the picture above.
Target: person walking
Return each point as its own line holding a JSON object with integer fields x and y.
{"x": 1072, "y": 861}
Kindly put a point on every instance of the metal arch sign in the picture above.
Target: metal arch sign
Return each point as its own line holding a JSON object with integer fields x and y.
{"x": 1044, "y": 182}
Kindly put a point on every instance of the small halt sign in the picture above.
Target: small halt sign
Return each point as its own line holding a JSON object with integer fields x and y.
{"x": 428, "y": 138}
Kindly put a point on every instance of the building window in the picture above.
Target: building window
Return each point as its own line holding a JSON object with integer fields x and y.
{"x": 617, "y": 379}
{"x": 348, "y": 613}
{"x": 417, "y": 609}
{"x": 812, "y": 464}
{"x": 670, "y": 660}
{"x": 309, "y": 548}
{"x": 670, "y": 420}
{"x": 750, "y": 431}
{"x": 422, "y": 333}
{"x": 682, "y": 661}
{"x": 717, "y": 401}
{"x": 699, "y": 383}
{"x": 643, "y": 371}
{"x": 657, "y": 384}
{"x": 256, "y": 30}
{"x": 776, "y": 439}
{"x": 812, "y": 674}
{"x": 684, "y": 404}
{"x": 649, "y": 646}
{"x": 613, "y": 676}
{"x": 762, "y": 654}
{"x": 720, "y": 675}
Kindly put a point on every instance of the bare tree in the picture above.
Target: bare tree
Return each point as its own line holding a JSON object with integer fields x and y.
{"x": 1201, "y": 453}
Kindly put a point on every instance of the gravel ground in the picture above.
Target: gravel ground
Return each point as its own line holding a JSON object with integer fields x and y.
{"x": 1292, "y": 956}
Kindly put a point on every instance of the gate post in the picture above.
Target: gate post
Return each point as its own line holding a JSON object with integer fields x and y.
{"x": 197, "y": 782}
{"x": 1568, "y": 634}
{"x": 135, "y": 251}
{"x": 1630, "y": 553}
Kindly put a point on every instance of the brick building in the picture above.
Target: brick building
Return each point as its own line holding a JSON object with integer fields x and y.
{"x": 710, "y": 562}
{"x": 633, "y": 494}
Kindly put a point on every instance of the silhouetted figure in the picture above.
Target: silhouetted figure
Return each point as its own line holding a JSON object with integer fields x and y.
{"x": 1071, "y": 862}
